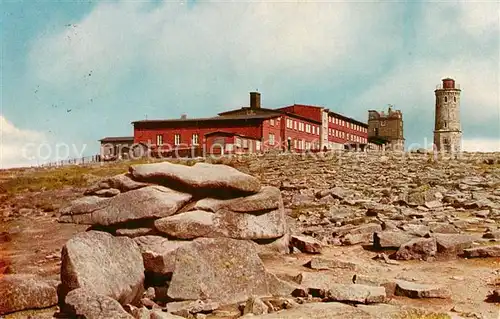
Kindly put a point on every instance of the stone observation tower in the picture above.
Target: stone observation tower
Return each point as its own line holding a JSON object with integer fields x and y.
{"x": 447, "y": 128}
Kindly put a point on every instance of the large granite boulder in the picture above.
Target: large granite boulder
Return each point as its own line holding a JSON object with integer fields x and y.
{"x": 223, "y": 270}
{"x": 85, "y": 303}
{"x": 201, "y": 177}
{"x": 109, "y": 266}
{"x": 199, "y": 223}
{"x": 144, "y": 203}
{"x": 23, "y": 291}
{"x": 159, "y": 253}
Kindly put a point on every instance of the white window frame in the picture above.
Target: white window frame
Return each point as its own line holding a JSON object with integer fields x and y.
{"x": 159, "y": 139}
{"x": 177, "y": 139}
{"x": 271, "y": 121}
{"x": 245, "y": 143}
{"x": 295, "y": 125}
{"x": 271, "y": 139}
{"x": 195, "y": 139}
{"x": 257, "y": 145}
{"x": 237, "y": 141}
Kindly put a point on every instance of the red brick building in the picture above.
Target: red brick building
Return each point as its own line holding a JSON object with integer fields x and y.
{"x": 254, "y": 129}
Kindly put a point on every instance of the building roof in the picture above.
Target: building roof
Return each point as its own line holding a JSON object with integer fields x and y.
{"x": 117, "y": 139}
{"x": 349, "y": 119}
{"x": 238, "y": 117}
{"x": 224, "y": 133}
{"x": 276, "y": 112}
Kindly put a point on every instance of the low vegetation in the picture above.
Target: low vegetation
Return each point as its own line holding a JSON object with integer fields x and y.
{"x": 421, "y": 314}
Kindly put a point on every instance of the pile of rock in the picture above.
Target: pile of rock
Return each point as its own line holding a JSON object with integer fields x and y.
{"x": 183, "y": 203}
{"x": 190, "y": 236}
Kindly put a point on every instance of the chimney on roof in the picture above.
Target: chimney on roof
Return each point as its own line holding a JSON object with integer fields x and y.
{"x": 254, "y": 100}
{"x": 183, "y": 116}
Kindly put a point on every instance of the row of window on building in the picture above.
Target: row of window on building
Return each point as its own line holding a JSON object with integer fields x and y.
{"x": 302, "y": 127}
{"x": 352, "y": 126}
{"x": 347, "y": 136}
{"x": 195, "y": 139}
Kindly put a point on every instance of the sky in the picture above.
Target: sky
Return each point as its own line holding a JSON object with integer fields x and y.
{"x": 73, "y": 72}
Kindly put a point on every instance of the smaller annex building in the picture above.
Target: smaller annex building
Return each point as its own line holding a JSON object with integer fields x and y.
{"x": 251, "y": 129}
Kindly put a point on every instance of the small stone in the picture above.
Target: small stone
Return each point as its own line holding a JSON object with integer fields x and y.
{"x": 415, "y": 290}
{"x": 356, "y": 293}
{"x": 386, "y": 240}
{"x": 416, "y": 249}
{"x": 306, "y": 244}
{"x": 326, "y": 263}
{"x": 453, "y": 244}
{"x": 187, "y": 308}
{"x": 255, "y": 306}
{"x": 483, "y": 251}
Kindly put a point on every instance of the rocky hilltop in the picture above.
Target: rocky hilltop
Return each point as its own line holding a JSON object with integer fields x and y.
{"x": 345, "y": 235}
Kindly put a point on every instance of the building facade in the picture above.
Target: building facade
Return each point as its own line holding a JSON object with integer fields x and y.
{"x": 447, "y": 127}
{"x": 386, "y": 129}
{"x": 113, "y": 148}
{"x": 296, "y": 128}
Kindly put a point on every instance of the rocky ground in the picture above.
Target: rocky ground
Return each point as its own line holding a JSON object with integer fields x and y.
{"x": 397, "y": 235}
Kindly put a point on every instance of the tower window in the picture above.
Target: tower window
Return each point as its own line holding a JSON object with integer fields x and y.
{"x": 446, "y": 99}
{"x": 454, "y": 99}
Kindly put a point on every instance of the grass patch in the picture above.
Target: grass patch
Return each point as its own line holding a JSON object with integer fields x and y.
{"x": 421, "y": 314}
{"x": 52, "y": 178}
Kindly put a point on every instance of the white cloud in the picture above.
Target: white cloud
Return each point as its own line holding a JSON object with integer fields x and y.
{"x": 197, "y": 52}
{"x": 481, "y": 145}
{"x": 18, "y": 147}
{"x": 243, "y": 41}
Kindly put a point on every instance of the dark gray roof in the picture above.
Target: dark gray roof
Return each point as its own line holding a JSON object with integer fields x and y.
{"x": 117, "y": 139}
{"x": 239, "y": 117}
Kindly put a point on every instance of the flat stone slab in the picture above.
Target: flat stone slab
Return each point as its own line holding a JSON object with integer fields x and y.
{"x": 189, "y": 308}
{"x": 356, "y": 293}
{"x": 483, "y": 251}
{"x": 453, "y": 244}
{"x": 87, "y": 304}
{"x": 388, "y": 239}
{"x": 198, "y": 223}
{"x": 415, "y": 290}
{"x": 317, "y": 280}
{"x": 159, "y": 253}
{"x": 144, "y": 203}
{"x": 223, "y": 270}
{"x": 135, "y": 232}
{"x": 268, "y": 198}
{"x": 23, "y": 291}
{"x": 322, "y": 263}
{"x": 108, "y": 265}
{"x": 201, "y": 176}
{"x": 122, "y": 182}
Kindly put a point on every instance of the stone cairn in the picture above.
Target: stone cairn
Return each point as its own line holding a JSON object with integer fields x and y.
{"x": 190, "y": 236}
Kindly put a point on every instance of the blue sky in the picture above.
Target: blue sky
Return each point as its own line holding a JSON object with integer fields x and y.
{"x": 76, "y": 71}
